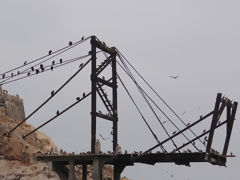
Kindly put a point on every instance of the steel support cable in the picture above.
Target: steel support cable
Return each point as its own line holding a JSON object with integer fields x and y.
{"x": 120, "y": 54}
{"x": 143, "y": 95}
{"x": 51, "y": 57}
{"x": 203, "y": 134}
{"x": 64, "y": 63}
{"x": 45, "y": 102}
{"x": 58, "y": 65}
{"x": 160, "y": 110}
{"x": 139, "y": 111}
{"x": 78, "y": 42}
{"x": 60, "y": 113}
{"x": 183, "y": 130}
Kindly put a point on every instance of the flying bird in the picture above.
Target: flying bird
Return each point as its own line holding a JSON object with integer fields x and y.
{"x": 174, "y": 77}
{"x": 103, "y": 137}
{"x": 70, "y": 43}
{"x": 184, "y": 113}
{"x": 50, "y": 52}
{"x": 164, "y": 122}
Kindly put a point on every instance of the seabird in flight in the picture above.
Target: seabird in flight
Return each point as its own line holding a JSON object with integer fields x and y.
{"x": 174, "y": 77}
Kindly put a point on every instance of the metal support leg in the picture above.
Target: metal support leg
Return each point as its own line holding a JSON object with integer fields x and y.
{"x": 97, "y": 168}
{"x": 117, "y": 171}
{"x": 84, "y": 172}
{"x": 71, "y": 174}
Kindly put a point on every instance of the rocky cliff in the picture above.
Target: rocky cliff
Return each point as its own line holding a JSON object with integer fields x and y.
{"x": 17, "y": 155}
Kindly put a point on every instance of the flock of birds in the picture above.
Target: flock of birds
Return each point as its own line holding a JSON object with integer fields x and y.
{"x": 41, "y": 67}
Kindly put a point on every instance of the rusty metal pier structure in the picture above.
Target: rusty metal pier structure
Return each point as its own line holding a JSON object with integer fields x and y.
{"x": 120, "y": 161}
{"x": 64, "y": 164}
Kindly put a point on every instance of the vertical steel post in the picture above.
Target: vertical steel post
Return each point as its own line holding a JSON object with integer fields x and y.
{"x": 114, "y": 95}
{"x": 214, "y": 122}
{"x": 93, "y": 100}
{"x": 84, "y": 172}
{"x": 230, "y": 120}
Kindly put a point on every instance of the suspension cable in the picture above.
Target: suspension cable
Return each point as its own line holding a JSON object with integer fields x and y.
{"x": 160, "y": 109}
{"x": 45, "y": 102}
{"x": 148, "y": 103}
{"x": 27, "y": 63}
{"x": 120, "y": 54}
{"x": 60, "y": 113}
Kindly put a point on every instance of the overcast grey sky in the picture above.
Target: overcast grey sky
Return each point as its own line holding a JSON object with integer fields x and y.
{"x": 198, "y": 40}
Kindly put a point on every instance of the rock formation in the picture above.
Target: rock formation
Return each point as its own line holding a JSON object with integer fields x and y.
{"x": 17, "y": 155}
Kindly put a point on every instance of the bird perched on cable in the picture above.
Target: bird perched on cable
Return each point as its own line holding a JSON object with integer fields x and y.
{"x": 12, "y": 74}
{"x": 84, "y": 94}
{"x": 50, "y": 52}
{"x": 70, "y": 43}
{"x": 41, "y": 66}
{"x": 25, "y": 63}
{"x": 51, "y": 68}
{"x": 29, "y": 74}
{"x": 37, "y": 71}
{"x": 81, "y": 65}
{"x": 57, "y": 112}
{"x": 53, "y": 62}
{"x": 18, "y": 72}
{"x": 174, "y": 132}
{"x": 174, "y": 77}
{"x": 60, "y": 60}
{"x": 32, "y": 68}
{"x": 3, "y": 76}
{"x": 52, "y": 93}
{"x": 83, "y": 38}
{"x": 78, "y": 98}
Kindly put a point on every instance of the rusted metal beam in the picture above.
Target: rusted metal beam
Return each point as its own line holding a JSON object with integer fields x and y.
{"x": 214, "y": 122}
{"x": 230, "y": 120}
{"x": 115, "y": 107}
{"x": 107, "y": 83}
{"x": 94, "y": 97}
{"x": 110, "y": 118}
{"x": 102, "y": 46}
